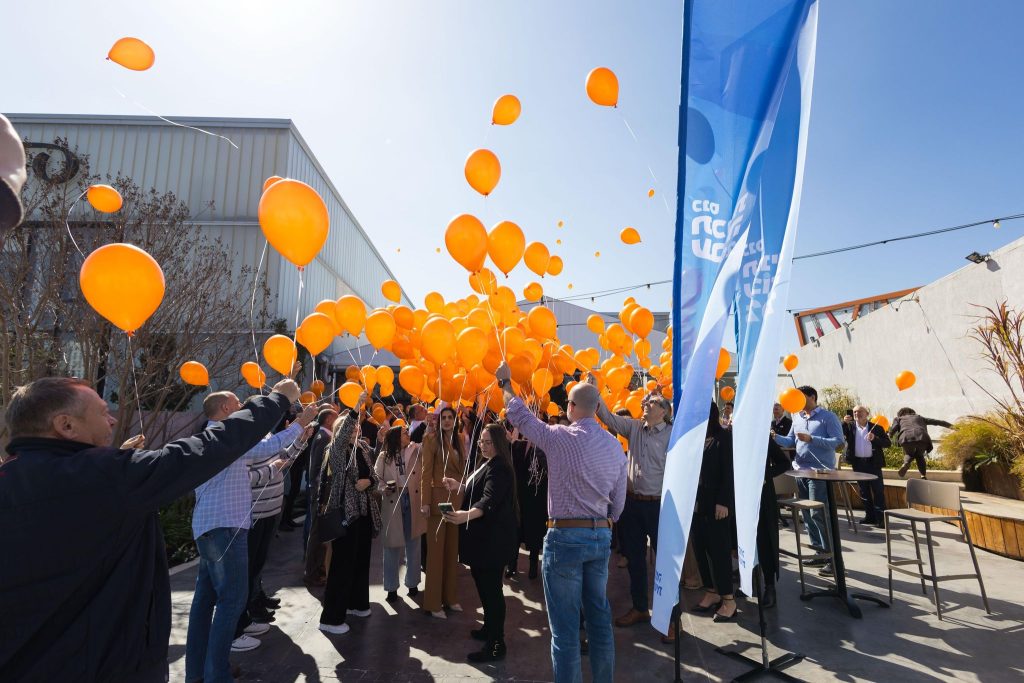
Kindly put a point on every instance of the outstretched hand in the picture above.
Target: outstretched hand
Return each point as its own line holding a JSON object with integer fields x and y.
{"x": 136, "y": 441}
{"x": 289, "y": 388}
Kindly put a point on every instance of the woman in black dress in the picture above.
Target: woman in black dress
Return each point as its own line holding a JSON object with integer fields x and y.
{"x": 712, "y": 527}
{"x": 488, "y": 513}
{"x": 531, "y": 468}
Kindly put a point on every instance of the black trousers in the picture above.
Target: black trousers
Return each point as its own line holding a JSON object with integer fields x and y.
{"x": 348, "y": 581}
{"x": 492, "y": 599}
{"x": 298, "y": 468}
{"x": 260, "y": 536}
{"x": 639, "y": 521}
{"x": 912, "y": 452}
{"x": 871, "y": 492}
{"x": 712, "y": 544}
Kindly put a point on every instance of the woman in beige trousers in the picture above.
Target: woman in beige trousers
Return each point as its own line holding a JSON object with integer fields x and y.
{"x": 442, "y": 455}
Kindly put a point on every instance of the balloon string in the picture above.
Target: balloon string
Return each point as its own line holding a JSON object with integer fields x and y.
{"x": 138, "y": 398}
{"x": 252, "y": 306}
{"x": 174, "y": 123}
{"x": 298, "y": 308}
{"x": 67, "y": 223}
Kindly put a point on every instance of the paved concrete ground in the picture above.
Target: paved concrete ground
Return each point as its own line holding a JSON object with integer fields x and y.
{"x": 905, "y": 643}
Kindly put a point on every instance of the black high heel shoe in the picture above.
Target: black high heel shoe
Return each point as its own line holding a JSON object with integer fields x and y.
{"x": 719, "y": 618}
{"x": 704, "y": 610}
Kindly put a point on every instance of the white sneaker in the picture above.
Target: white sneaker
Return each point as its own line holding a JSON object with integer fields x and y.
{"x": 455, "y": 608}
{"x": 244, "y": 643}
{"x": 336, "y": 630}
{"x": 256, "y": 629}
{"x": 439, "y": 614}
{"x": 359, "y": 612}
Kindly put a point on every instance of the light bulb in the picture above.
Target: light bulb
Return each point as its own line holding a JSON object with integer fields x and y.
{"x": 995, "y": 224}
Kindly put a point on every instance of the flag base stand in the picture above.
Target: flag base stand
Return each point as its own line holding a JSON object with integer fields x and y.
{"x": 773, "y": 668}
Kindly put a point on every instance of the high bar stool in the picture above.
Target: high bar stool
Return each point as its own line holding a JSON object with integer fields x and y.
{"x": 786, "y": 487}
{"x": 935, "y": 494}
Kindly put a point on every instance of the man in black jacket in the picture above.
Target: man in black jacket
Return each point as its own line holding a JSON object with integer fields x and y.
{"x": 84, "y": 592}
{"x": 865, "y": 451}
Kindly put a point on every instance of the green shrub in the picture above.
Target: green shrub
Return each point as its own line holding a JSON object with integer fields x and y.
{"x": 975, "y": 442}
{"x": 838, "y": 399}
{"x": 176, "y": 520}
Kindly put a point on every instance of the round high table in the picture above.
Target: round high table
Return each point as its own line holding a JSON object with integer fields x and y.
{"x": 839, "y": 567}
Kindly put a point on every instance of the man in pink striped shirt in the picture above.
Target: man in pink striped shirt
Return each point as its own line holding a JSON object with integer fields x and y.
{"x": 586, "y": 492}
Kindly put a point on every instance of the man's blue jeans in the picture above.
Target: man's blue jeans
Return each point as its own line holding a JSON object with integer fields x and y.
{"x": 815, "y": 520}
{"x": 576, "y": 573}
{"x": 223, "y": 582}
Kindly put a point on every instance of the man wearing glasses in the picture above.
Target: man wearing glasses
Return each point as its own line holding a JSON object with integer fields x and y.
{"x": 648, "y": 446}
{"x": 586, "y": 492}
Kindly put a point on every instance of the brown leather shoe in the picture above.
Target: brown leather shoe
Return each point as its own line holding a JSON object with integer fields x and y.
{"x": 671, "y": 637}
{"x": 633, "y": 616}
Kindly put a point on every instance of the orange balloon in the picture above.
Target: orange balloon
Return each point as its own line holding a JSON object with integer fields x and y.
{"x": 294, "y": 219}
{"x": 391, "y": 291}
{"x": 505, "y": 246}
{"x": 317, "y": 387}
{"x": 629, "y": 236}
{"x": 349, "y": 394}
{"x": 533, "y": 291}
{"x": 253, "y": 375}
{"x": 882, "y": 421}
{"x": 792, "y": 400}
{"x": 385, "y": 375}
{"x": 270, "y": 181}
{"x": 307, "y": 397}
{"x": 790, "y": 362}
{"x": 553, "y": 409}
{"x": 603, "y": 87}
{"x": 506, "y": 110}
{"x": 728, "y": 393}
{"x": 595, "y": 323}
{"x": 132, "y": 53}
{"x": 122, "y": 283}
{"x": 368, "y": 376}
{"x": 542, "y": 322}
{"x": 437, "y": 340}
{"x": 404, "y": 317}
{"x": 380, "y": 329}
{"x": 537, "y": 258}
{"x": 317, "y": 332}
{"x": 399, "y": 422}
{"x": 542, "y": 381}
{"x": 471, "y": 346}
{"x": 280, "y": 353}
{"x": 485, "y": 282}
{"x": 350, "y": 312}
{"x": 104, "y": 198}
{"x": 329, "y": 308}
{"x": 483, "y": 171}
{"x": 641, "y": 321}
{"x": 194, "y": 373}
{"x": 905, "y": 380}
{"x": 412, "y": 380}
{"x": 555, "y": 265}
{"x": 724, "y": 360}
{"x": 512, "y": 340}
{"x": 650, "y": 193}
{"x": 466, "y": 240}
{"x": 352, "y": 374}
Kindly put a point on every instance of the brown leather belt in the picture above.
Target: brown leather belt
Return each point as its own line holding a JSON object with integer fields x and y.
{"x": 637, "y": 496}
{"x": 579, "y": 523}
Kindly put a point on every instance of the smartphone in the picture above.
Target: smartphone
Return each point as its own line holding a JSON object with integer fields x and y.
{"x": 445, "y": 507}
{"x": 849, "y": 413}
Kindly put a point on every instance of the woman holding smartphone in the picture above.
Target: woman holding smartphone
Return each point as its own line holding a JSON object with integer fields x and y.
{"x": 488, "y": 535}
{"x": 397, "y": 469}
{"x": 443, "y": 456}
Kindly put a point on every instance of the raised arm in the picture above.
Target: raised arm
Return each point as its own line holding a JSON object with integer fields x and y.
{"x": 147, "y": 480}
{"x": 626, "y": 426}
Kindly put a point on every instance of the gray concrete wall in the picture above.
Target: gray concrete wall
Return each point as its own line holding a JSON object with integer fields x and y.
{"x": 926, "y": 333}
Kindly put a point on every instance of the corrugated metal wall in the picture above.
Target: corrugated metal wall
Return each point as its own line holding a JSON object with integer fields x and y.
{"x": 201, "y": 168}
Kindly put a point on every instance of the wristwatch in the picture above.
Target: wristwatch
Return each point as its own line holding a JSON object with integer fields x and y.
{"x": 504, "y": 383}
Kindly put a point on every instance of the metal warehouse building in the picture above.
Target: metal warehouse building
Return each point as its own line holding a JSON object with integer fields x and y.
{"x": 201, "y": 169}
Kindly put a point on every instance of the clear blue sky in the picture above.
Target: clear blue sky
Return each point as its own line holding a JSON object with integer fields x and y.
{"x": 916, "y": 121}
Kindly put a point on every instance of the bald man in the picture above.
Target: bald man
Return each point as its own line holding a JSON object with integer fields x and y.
{"x": 586, "y": 493}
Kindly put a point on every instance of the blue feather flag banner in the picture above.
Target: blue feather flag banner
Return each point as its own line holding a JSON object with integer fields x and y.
{"x": 746, "y": 86}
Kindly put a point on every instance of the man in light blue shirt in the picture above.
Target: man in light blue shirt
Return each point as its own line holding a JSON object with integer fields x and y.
{"x": 816, "y": 433}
